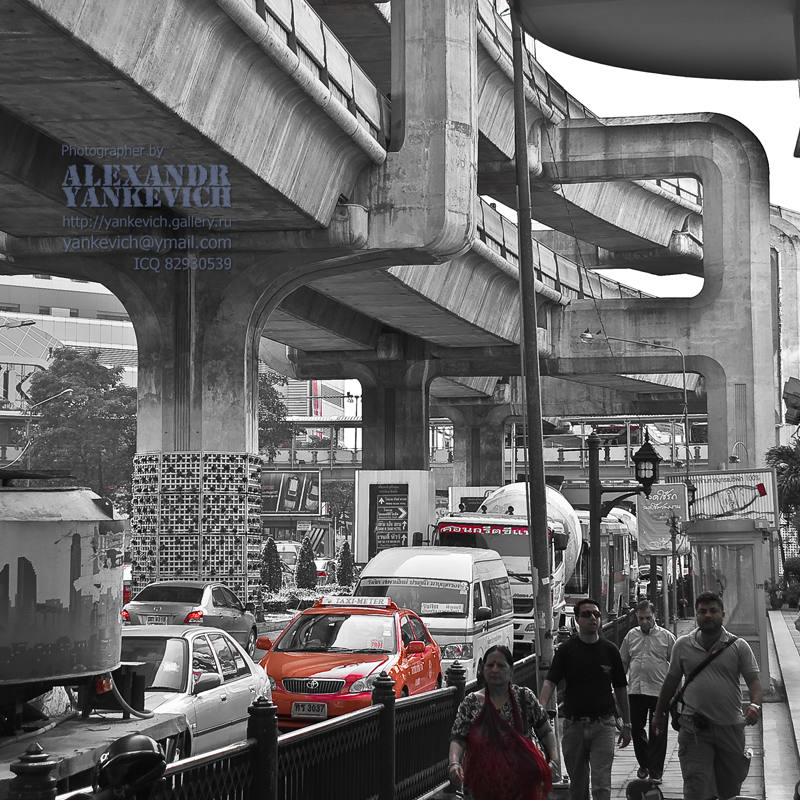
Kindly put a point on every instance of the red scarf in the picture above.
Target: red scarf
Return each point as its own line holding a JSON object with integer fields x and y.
{"x": 501, "y": 763}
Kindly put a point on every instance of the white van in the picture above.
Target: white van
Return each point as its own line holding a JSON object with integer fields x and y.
{"x": 462, "y": 595}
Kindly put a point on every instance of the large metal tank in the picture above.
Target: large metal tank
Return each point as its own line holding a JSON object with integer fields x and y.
{"x": 61, "y": 554}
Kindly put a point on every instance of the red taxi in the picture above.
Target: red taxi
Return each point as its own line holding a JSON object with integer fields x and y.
{"x": 326, "y": 661}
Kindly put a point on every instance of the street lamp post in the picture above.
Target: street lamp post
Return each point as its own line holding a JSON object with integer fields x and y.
{"x": 586, "y": 336}
{"x": 646, "y": 461}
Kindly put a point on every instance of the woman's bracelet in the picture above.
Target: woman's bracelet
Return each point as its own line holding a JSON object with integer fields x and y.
{"x": 454, "y": 764}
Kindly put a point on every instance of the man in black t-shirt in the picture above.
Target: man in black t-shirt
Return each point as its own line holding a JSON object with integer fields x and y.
{"x": 593, "y": 675}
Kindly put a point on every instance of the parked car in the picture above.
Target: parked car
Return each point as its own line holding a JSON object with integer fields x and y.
{"x": 194, "y": 603}
{"x": 288, "y": 552}
{"x": 202, "y": 673}
{"x": 326, "y": 661}
{"x": 326, "y": 570}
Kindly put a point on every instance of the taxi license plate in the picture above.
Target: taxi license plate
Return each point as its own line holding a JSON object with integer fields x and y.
{"x": 156, "y": 620}
{"x": 310, "y": 710}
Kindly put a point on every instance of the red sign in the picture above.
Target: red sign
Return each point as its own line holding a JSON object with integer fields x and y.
{"x": 491, "y": 530}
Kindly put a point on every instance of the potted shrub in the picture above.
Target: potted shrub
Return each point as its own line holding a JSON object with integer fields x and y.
{"x": 792, "y": 593}
{"x": 774, "y": 593}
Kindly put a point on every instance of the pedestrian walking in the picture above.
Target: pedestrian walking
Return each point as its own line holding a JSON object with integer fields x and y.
{"x": 501, "y": 741}
{"x": 645, "y": 653}
{"x": 593, "y": 675}
{"x": 710, "y": 661}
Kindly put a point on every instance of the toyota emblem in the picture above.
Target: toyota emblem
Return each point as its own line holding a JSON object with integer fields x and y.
{"x": 313, "y": 684}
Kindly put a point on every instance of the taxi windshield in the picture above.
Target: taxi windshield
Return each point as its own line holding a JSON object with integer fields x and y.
{"x": 428, "y": 597}
{"x": 340, "y": 633}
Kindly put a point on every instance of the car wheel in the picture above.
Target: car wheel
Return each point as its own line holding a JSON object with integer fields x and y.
{"x": 404, "y": 693}
{"x": 250, "y": 647}
{"x": 439, "y": 681}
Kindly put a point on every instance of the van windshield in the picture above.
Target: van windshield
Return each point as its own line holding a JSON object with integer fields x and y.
{"x": 428, "y": 597}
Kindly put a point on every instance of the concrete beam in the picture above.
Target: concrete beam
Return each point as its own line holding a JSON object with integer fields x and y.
{"x": 725, "y": 331}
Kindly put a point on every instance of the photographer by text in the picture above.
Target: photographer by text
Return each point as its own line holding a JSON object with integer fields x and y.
{"x": 711, "y": 737}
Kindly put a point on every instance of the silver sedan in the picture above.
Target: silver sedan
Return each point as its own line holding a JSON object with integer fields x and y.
{"x": 201, "y": 673}
{"x": 177, "y": 602}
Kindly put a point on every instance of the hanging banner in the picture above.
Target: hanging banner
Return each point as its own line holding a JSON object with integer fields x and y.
{"x": 657, "y": 515}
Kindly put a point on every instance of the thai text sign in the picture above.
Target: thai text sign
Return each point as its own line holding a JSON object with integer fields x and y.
{"x": 659, "y": 516}
{"x": 736, "y": 494}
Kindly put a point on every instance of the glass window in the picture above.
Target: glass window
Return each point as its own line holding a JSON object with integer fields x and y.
{"x": 428, "y": 597}
{"x": 477, "y": 599}
{"x": 225, "y": 655}
{"x": 232, "y": 600}
{"x": 406, "y": 632}
{"x": 370, "y": 633}
{"x": 162, "y": 660}
{"x": 220, "y": 599}
{"x": 420, "y": 633}
{"x": 171, "y": 594}
{"x": 498, "y": 594}
{"x": 202, "y": 657}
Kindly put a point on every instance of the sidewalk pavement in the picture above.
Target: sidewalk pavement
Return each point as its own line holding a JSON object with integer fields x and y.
{"x": 774, "y": 769}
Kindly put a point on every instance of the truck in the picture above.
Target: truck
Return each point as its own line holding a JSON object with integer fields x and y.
{"x": 501, "y": 524}
{"x": 62, "y": 576}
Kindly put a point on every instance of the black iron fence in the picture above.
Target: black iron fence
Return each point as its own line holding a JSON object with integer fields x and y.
{"x": 392, "y": 750}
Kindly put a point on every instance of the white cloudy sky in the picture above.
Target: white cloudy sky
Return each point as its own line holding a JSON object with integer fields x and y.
{"x": 771, "y": 109}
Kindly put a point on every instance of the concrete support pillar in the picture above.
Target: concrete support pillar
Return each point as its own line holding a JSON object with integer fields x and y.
{"x": 196, "y": 481}
{"x": 478, "y": 452}
{"x": 423, "y": 196}
{"x": 395, "y": 413}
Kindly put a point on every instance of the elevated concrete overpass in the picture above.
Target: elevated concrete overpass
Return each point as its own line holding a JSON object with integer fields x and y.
{"x": 330, "y": 187}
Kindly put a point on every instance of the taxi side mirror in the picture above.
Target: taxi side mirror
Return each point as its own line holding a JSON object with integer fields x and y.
{"x": 263, "y": 643}
{"x": 414, "y": 648}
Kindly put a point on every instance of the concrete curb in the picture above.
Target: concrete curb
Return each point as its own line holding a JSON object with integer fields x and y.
{"x": 782, "y": 722}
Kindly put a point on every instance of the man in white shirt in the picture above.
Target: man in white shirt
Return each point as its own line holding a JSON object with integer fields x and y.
{"x": 645, "y": 653}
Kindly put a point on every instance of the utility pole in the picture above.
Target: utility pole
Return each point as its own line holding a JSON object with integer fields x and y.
{"x": 537, "y": 497}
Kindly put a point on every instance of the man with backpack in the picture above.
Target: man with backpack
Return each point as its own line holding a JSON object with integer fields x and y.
{"x": 711, "y": 735}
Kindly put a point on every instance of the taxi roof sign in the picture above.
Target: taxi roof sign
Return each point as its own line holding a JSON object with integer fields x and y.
{"x": 343, "y": 600}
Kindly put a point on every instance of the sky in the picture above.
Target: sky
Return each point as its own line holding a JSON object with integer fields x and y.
{"x": 770, "y": 109}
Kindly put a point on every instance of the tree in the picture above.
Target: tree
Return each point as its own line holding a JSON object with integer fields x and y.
{"x": 786, "y": 460}
{"x": 273, "y": 429}
{"x": 90, "y": 431}
{"x": 306, "y": 570}
{"x": 339, "y": 495}
{"x": 344, "y": 564}
{"x": 271, "y": 575}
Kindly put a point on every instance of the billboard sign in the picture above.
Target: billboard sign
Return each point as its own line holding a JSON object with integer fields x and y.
{"x": 667, "y": 506}
{"x": 736, "y": 494}
{"x": 290, "y": 493}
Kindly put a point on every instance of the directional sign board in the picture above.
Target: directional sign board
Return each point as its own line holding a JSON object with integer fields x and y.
{"x": 388, "y": 514}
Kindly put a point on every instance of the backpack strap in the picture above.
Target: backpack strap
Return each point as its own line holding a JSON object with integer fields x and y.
{"x": 700, "y": 667}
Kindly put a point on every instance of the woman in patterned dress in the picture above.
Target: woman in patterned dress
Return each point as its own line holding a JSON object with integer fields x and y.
{"x": 501, "y": 740}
